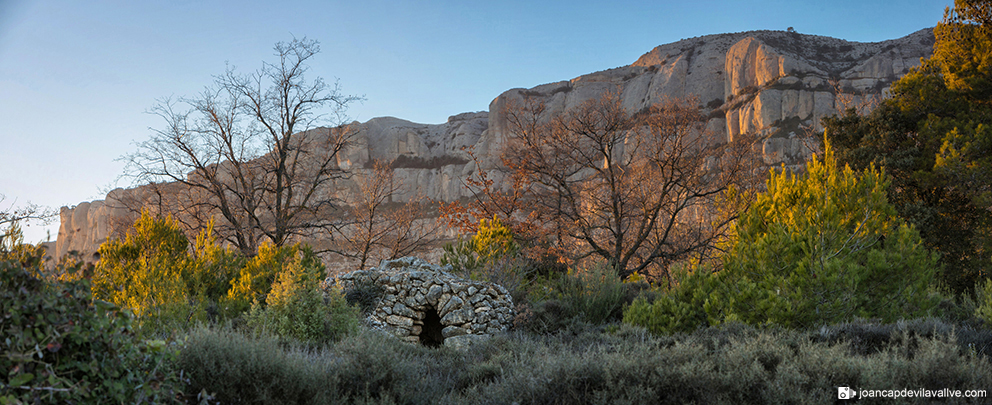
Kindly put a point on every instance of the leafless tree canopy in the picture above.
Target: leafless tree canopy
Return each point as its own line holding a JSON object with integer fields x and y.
{"x": 29, "y": 212}
{"x": 637, "y": 190}
{"x": 12, "y": 217}
{"x": 248, "y": 149}
{"x": 378, "y": 227}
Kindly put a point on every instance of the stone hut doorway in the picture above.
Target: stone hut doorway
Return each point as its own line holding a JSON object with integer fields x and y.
{"x": 430, "y": 332}
{"x": 422, "y": 303}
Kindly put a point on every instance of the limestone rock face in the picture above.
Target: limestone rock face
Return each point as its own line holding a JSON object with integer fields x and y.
{"x": 429, "y": 159}
{"x": 774, "y": 84}
{"x": 87, "y": 225}
{"x": 762, "y": 82}
{"x": 423, "y": 303}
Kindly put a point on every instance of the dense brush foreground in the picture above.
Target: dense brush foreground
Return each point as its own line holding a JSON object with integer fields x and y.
{"x": 867, "y": 267}
{"x": 64, "y": 346}
{"x": 586, "y": 364}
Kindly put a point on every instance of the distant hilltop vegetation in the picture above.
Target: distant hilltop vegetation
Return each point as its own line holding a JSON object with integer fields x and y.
{"x": 777, "y": 85}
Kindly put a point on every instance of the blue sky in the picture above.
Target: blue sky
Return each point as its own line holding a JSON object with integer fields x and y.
{"x": 77, "y": 77}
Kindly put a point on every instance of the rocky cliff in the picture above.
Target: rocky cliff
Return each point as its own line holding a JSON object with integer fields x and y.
{"x": 775, "y": 84}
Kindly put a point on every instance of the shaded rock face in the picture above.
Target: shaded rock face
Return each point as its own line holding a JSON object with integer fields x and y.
{"x": 428, "y": 159}
{"x": 775, "y": 84}
{"x": 423, "y": 303}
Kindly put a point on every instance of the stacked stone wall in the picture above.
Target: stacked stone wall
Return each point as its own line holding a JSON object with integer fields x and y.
{"x": 421, "y": 302}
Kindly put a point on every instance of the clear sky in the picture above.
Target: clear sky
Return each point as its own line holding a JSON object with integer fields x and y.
{"x": 77, "y": 77}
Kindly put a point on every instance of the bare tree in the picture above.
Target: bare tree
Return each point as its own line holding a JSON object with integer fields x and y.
{"x": 30, "y": 212}
{"x": 248, "y": 150}
{"x": 415, "y": 227}
{"x": 493, "y": 195}
{"x": 380, "y": 227}
{"x": 638, "y": 190}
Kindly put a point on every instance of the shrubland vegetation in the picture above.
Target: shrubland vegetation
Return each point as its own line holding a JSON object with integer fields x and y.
{"x": 866, "y": 269}
{"x": 814, "y": 248}
{"x": 588, "y": 364}
{"x": 113, "y": 333}
{"x": 933, "y": 139}
{"x": 60, "y": 345}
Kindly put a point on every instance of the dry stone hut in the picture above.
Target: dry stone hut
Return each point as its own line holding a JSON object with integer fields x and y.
{"x": 423, "y": 303}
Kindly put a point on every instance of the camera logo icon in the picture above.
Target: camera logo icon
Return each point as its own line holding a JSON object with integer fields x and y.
{"x": 846, "y": 393}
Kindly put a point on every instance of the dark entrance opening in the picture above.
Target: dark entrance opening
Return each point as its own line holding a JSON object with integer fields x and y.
{"x": 430, "y": 333}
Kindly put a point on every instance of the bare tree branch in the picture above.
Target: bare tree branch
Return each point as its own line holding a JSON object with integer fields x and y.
{"x": 638, "y": 190}
{"x": 248, "y": 151}
{"x": 381, "y": 228}
{"x": 28, "y": 212}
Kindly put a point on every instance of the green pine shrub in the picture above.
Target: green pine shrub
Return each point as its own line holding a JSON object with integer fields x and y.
{"x": 256, "y": 276}
{"x": 295, "y": 306}
{"x": 825, "y": 247}
{"x": 983, "y": 296}
{"x": 492, "y": 241}
{"x": 168, "y": 286}
{"x": 171, "y": 286}
{"x": 144, "y": 270}
{"x": 461, "y": 256}
{"x": 12, "y": 247}
{"x": 681, "y": 309}
{"x": 816, "y": 248}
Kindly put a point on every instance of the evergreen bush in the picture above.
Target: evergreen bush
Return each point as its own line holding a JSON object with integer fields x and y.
{"x": 295, "y": 306}
{"x": 60, "y": 345}
{"x": 815, "y": 248}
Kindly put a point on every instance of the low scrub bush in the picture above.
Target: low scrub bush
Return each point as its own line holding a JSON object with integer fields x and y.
{"x": 545, "y": 317}
{"x": 62, "y": 346}
{"x": 231, "y": 367}
{"x": 592, "y": 295}
{"x": 512, "y": 272}
{"x": 365, "y": 295}
{"x": 369, "y": 367}
{"x": 866, "y": 338}
{"x": 595, "y": 293}
{"x": 733, "y": 363}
